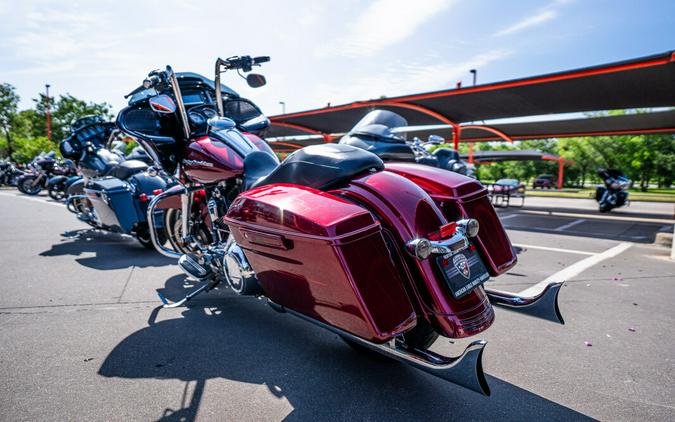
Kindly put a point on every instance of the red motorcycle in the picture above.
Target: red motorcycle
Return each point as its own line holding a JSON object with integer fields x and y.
{"x": 389, "y": 257}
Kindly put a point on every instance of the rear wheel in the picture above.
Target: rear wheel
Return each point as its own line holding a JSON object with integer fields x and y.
{"x": 28, "y": 185}
{"x": 144, "y": 238}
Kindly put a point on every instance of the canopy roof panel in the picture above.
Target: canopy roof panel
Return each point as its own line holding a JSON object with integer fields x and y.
{"x": 638, "y": 83}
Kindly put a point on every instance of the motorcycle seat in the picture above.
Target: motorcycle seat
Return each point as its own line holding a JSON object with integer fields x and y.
{"x": 317, "y": 166}
{"x": 126, "y": 169}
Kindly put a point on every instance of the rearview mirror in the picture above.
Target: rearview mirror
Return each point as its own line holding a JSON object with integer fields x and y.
{"x": 255, "y": 80}
{"x": 162, "y": 104}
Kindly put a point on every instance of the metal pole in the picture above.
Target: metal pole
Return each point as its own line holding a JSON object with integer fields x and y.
{"x": 283, "y": 107}
{"x": 560, "y": 173}
{"x": 474, "y": 72}
{"x": 48, "y": 112}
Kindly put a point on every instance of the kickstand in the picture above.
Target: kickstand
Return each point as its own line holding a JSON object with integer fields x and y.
{"x": 204, "y": 288}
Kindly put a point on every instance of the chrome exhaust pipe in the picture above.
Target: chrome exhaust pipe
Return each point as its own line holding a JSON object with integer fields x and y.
{"x": 465, "y": 370}
{"x": 544, "y": 305}
{"x": 70, "y": 202}
{"x": 152, "y": 223}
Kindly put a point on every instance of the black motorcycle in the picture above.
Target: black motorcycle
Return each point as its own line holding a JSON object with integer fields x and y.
{"x": 114, "y": 192}
{"x": 376, "y": 133}
{"x": 9, "y": 173}
{"x": 40, "y": 170}
{"x": 614, "y": 192}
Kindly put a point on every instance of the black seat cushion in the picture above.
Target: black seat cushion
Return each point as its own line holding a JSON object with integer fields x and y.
{"x": 127, "y": 169}
{"x": 323, "y": 166}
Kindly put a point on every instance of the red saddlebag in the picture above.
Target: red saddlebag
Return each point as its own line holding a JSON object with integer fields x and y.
{"x": 322, "y": 256}
{"x": 463, "y": 197}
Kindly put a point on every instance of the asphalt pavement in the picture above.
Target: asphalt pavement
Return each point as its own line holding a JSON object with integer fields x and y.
{"x": 82, "y": 336}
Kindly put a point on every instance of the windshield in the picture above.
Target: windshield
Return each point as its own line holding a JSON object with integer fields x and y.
{"x": 379, "y": 124}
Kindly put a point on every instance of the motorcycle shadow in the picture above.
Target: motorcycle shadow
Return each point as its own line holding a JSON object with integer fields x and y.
{"x": 240, "y": 339}
{"x": 111, "y": 251}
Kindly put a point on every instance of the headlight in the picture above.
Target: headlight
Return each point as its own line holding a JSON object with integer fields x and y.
{"x": 615, "y": 185}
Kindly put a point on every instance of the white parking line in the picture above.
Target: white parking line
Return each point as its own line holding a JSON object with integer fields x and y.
{"x": 568, "y": 225}
{"x": 631, "y": 218}
{"x": 30, "y": 198}
{"x": 576, "y": 268}
{"x": 546, "y": 248}
{"x": 506, "y": 217}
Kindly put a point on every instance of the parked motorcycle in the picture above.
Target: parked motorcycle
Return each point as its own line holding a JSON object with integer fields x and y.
{"x": 40, "y": 170}
{"x": 9, "y": 173}
{"x": 113, "y": 193}
{"x": 388, "y": 256}
{"x": 614, "y": 192}
{"x": 57, "y": 185}
{"x": 375, "y": 133}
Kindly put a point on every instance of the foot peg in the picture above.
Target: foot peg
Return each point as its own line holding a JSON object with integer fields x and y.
{"x": 544, "y": 305}
{"x": 196, "y": 268}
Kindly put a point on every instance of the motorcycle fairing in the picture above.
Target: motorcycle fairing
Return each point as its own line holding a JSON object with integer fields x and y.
{"x": 324, "y": 257}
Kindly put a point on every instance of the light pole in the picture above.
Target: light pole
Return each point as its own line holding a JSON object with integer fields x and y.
{"x": 474, "y": 72}
{"x": 48, "y": 112}
{"x": 283, "y": 107}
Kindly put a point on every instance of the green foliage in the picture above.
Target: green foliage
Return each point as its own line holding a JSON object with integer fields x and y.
{"x": 64, "y": 111}
{"x": 25, "y": 132}
{"x": 27, "y": 148}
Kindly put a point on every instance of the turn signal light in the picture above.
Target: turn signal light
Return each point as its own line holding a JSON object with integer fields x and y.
{"x": 143, "y": 197}
{"x": 421, "y": 248}
{"x": 156, "y": 191}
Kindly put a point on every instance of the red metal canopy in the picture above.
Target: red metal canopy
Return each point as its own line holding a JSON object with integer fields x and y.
{"x": 638, "y": 83}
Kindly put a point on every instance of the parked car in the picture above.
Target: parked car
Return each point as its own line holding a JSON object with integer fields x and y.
{"x": 543, "y": 181}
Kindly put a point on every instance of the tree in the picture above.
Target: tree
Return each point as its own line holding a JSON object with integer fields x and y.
{"x": 9, "y": 102}
{"x": 64, "y": 111}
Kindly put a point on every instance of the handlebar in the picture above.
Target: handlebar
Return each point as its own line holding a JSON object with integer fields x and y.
{"x": 244, "y": 63}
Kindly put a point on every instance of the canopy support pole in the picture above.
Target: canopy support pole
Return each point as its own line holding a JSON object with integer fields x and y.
{"x": 561, "y": 167}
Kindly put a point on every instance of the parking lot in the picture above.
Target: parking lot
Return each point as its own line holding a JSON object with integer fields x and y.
{"x": 82, "y": 337}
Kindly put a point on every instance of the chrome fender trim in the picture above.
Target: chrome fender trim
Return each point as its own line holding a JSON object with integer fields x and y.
{"x": 544, "y": 305}
{"x": 465, "y": 370}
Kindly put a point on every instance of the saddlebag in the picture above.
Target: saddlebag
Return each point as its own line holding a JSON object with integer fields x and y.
{"x": 460, "y": 197}
{"x": 114, "y": 203}
{"x": 322, "y": 256}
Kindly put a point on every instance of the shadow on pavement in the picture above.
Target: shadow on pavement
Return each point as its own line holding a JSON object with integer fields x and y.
{"x": 112, "y": 251}
{"x": 240, "y": 339}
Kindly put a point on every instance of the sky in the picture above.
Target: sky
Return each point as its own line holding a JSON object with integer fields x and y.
{"x": 321, "y": 51}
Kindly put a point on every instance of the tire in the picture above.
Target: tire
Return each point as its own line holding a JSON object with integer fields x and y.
{"x": 173, "y": 226}
{"x": 145, "y": 239}
{"x": 26, "y": 186}
{"x": 422, "y": 336}
{"x": 56, "y": 192}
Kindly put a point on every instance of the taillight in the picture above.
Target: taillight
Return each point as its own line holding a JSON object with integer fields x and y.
{"x": 143, "y": 197}
{"x": 445, "y": 231}
{"x": 156, "y": 191}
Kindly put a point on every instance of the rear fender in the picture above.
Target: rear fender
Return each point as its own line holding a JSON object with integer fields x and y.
{"x": 55, "y": 180}
{"x": 76, "y": 188}
{"x": 408, "y": 212}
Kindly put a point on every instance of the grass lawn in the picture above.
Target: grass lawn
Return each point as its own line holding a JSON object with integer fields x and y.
{"x": 655, "y": 195}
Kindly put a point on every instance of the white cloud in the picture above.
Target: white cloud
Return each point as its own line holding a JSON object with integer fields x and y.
{"x": 528, "y": 22}
{"x": 405, "y": 78}
{"x": 382, "y": 24}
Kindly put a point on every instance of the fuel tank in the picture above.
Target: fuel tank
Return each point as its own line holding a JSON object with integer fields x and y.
{"x": 220, "y": 155}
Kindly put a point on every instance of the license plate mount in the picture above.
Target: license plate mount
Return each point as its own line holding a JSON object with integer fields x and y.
{"x": 463, "y": 271}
